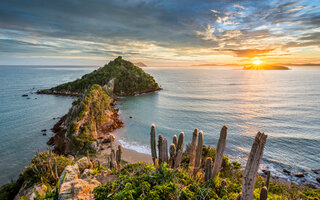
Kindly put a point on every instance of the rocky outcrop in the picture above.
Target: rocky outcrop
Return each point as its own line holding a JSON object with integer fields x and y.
{"x": 30, "y": 192}
{"x": 78, "y": 182}
{"x": 87, "y": 125}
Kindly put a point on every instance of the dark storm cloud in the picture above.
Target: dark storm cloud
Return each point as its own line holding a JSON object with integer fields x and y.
{"x": 169, "y": 24}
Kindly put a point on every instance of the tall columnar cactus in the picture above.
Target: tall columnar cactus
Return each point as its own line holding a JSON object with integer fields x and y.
{"x": 252, "y": 166}
{"x": 268, "y": 179}
{"x": 112, "y": 156}
{"x": 220, "y": 149}
{"x": 180, "y": 141}
{"x": 208, "y": 170}
{"x": 165, "y": 150}
{"x": 193, "y": 147}
{"x": 199, "y": 152}
{"x": 153, "y": 142}
{"x": 172, "y": 151}
{"x": 175, "y": 140}
{"x": 118, "y": 155}
{"x": 160, "y": 140}
{"x": 264, "y": 193}
{"x": 55, "y": 168}
{"x": 178, "y": 159}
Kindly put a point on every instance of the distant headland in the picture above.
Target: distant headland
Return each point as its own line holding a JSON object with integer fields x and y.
{"x": 265, "y": 67}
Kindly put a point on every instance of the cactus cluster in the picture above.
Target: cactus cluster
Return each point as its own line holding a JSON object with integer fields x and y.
{"x": 173, "y": 159}
{"x": 211, "y": 168}
{"x": 49, "y": 165}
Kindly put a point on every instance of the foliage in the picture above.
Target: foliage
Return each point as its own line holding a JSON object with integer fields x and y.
{"x": 129, "y": 79}
{"x": 87, "y": 114}
{"x": 38, "y": 172}
{"x": 9, "y": 191}
{"x": 145, "y": 181}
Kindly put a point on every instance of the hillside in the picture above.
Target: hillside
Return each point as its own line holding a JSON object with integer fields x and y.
{"x": 128, "y": 80}
{"x": 90, "y": 118}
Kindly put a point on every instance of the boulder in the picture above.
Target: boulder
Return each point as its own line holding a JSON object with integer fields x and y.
{"x": 72, "y": 172}
{"x": 316, "y": 171}
{"x": 30, "y": 191}
{"x": 83, "y": 163}
{"x": 95, "y": 146}
{"x": 300, "y": 174}
{"x": 86, "y": 174}
{"x": 78, "y": 189}
{"x": 318, "y": 179}
{"x": 286, "y": 171}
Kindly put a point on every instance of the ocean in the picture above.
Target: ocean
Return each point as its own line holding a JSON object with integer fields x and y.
{"x": 283, "y": 104}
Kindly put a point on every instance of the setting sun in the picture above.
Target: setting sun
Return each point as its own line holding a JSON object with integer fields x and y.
{"x": 257, "y": 62}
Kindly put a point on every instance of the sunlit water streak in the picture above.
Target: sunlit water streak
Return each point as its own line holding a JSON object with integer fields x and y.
{"x": 283, "y": 104}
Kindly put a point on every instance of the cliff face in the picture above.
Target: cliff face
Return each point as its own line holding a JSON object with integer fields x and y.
{"x": 128, "y": 80}
{"x": 87, "y": 123}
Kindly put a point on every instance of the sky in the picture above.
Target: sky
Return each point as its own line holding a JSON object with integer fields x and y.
{"x": 159, "y": 33}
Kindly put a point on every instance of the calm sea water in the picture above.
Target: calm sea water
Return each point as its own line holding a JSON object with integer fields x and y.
{"x": 283, "y": 104}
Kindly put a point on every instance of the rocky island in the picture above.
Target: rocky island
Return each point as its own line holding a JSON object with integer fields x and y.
{"x": 128, "y": 80}
{"x": 265, "y": 67}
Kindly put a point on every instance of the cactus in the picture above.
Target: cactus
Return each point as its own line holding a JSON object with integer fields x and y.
{"x": 153, "y": 143}
{"x": 264, "y": 193}
{"x": 112, "y": 156}
{"x": 253, "y": 162}
{"x": 118, "y": 155}
{"x": 165, "y": 150}
{"x": 160, "y": 139}
{"x": 268, "y": 179}
{"x": 88, "y": 157}
{"x": 193, "y": 147}
{"x": 178, "y": 159}
{"x": 180, "y": 141}
{"x": 208, "y": 170}
{"x": 175, "y": 140}
{"x": 220, "y": 149}
{"x": 199, "y": 152}
{"x": 172, "y": 152}
{"x": 55, "y": 168}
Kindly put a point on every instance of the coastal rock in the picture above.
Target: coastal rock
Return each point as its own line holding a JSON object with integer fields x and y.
{"x": 286, "y": 171}
{"x": 72, "y": 173}
{"x": 318, "y": 179}
{"x": 86, "y": 174}
{"x": 316, "y": 171}
{"x": 30, "y": 192}
{"x": 25, "y": 95}
{"x": 300, "y": 174}
{"x": 83, "y": 164}
{"x": 43, "y": 130}
{"x": 95, "y": 146}
{"x": 78, "y": 189}
{"x": 108, "y": 138}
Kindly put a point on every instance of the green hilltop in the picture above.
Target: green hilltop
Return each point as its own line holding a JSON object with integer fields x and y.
{"x": 128, "y": 80}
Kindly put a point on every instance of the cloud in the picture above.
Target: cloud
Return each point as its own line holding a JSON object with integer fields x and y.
{"x": 250, "y": 53}
{"x": 150, "y": 29}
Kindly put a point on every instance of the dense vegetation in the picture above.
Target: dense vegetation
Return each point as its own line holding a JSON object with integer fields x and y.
{"x": 146, "y": 181}
{"x": 38, "y": 172}
{"x": 129, "y": 80}
{"x": 88, "y": 114}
